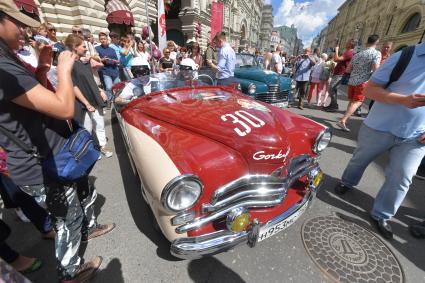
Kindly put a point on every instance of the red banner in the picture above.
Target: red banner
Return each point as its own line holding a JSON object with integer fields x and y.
{"x": 216, "y": 18}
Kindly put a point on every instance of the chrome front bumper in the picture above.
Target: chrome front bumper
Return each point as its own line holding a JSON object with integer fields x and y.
{"x": 209, "y": 244}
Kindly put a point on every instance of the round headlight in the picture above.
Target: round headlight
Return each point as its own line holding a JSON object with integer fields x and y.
{"x": 322, "y": 141}
{"x": 252, "y": 88}
{"x": 181, "y": 193}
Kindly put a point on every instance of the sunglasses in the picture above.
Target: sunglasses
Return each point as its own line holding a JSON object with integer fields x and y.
{"x": 77, "y": 31}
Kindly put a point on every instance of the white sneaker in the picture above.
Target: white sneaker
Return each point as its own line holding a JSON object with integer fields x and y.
{"x": 106, "y": 152}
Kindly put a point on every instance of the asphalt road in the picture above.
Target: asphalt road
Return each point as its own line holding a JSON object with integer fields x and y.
{"x": 135, "y": 252}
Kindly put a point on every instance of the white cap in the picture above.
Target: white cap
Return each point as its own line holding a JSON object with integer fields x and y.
{"x": 189, "y": 63}
{"x": 140, "y": 61}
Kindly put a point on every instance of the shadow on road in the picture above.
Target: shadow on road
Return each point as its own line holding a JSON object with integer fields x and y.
{"x": 111, "y": 273}
{"x": 359, "y": 204}
{"x": 210, "y": 269}
{"x": 140, "y": 211}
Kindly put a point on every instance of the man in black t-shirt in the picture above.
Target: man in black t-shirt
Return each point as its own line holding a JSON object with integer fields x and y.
{"x": 36, "y": 116}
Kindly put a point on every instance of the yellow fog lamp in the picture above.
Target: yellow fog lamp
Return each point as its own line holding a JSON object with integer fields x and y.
{"x": 317, "y": 179}
{"x": 238, "y": 220}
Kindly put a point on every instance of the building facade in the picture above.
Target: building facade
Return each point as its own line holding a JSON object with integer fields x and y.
{"x": 185, "y": 19}
{"x": 402, "y": 22}
{"x": 274, "y": 41}
{"x": 315, "y": 42}
{"x": 289, "y": 39}
{"x": 242, "y": 22}
{"x": 266, "y": 27}
{"x": 322, "y": 38}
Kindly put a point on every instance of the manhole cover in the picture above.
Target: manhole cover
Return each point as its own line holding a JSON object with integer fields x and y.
{"x": 347, "y": 252}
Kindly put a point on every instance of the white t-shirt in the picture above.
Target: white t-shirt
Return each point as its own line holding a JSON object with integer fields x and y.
{"x": 132, "y": 90}
{"x": 145, "y": 55}
{"x": 29, "y": 58}
{"x": 276, "y": 63}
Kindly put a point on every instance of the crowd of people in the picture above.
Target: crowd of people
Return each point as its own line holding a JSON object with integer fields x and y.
{"x": 395, "y": 123}
{"x": 48, "y": 88}
{"x": 46, "y": 83}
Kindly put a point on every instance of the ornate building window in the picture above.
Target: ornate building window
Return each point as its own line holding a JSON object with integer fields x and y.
{"x": 412, "y": 23}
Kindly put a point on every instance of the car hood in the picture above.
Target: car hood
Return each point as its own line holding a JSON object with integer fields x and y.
{"x": 257, "y": 74}
{"x": 220, "y": 114}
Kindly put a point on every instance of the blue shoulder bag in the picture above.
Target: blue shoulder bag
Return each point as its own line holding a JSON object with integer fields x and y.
{"x": 74, "y": 161}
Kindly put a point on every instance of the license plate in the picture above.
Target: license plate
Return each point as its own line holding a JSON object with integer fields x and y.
{"x": 270, "y": 230}
{"x": 281, "y": 104}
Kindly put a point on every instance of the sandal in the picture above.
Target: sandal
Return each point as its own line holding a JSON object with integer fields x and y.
{"x": 36, "y": 265}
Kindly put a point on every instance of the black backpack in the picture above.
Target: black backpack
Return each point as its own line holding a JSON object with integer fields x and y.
{"x": 399, "y": 68}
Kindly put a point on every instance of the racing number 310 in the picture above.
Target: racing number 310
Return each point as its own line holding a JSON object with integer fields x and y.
{"x": 244, "y": 120}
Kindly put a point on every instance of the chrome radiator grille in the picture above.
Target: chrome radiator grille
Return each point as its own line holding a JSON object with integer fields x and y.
{"x": 274, "y": 88}
{"x": 255, "y": 190}
{"x": 273, "y": 95}
{"x": 252, "y": 191}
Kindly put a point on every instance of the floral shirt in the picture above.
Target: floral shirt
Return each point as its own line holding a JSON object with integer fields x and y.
{"x": 3, "y": 166}
{"x": 362, "y": 63}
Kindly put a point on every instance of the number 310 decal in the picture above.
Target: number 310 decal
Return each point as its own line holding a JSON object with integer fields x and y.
{"x": 245, "y": 120}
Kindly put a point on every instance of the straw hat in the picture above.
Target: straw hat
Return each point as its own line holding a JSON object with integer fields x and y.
{"x": 9, "y": 8}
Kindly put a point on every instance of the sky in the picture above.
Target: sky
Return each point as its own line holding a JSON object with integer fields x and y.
{"x": 308, "y": 16}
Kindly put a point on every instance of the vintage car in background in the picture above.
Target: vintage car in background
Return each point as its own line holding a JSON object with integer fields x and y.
{"x": 263, "y": 85}
{"x": 217, "y": 167}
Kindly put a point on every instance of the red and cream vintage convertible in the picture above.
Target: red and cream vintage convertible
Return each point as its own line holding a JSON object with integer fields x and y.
{"x": 217, "y": 168}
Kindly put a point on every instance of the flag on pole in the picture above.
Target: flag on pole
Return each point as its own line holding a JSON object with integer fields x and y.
{"x": 217, "y": 15}
{"x": 162, "y": 29}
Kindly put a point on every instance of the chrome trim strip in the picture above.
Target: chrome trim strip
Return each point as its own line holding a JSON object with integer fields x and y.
{"x": 244, "y": 195}
{"x": 195, "y": 224}
{"x": 196, "y": 247}
{"x": 243, "y": 181}
{"x": 209, "y": 244}
{"x": 182, "y": 217}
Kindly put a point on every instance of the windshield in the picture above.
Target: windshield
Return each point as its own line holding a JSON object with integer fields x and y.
{"x": 243, "y": 60}
{"x": 163, "y": 81}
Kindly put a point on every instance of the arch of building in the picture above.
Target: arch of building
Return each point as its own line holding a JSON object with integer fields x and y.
{"x": 406, "y": 16}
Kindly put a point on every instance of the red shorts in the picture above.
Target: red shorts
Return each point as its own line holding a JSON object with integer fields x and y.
{"x": 356, "y": 92}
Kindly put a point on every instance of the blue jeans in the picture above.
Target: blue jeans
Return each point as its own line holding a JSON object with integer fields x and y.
{"x": 226, "y": 81}
{"x": 405, "y": 157}
{"x": 108, "y": 83}
{"x": 335, "y": 83}
{"x": 126, "y": 73}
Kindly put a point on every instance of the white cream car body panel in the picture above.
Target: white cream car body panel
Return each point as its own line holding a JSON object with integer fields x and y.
{"x": 156, "y": 170}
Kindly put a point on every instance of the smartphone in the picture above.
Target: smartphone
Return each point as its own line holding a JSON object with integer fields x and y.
{"x": 42, "y": 39}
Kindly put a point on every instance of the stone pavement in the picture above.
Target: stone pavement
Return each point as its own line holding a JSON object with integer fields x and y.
{"x": 135, "y": 252}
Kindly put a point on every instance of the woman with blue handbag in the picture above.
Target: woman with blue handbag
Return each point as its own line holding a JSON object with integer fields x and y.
{"x": 47, "y": 160}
